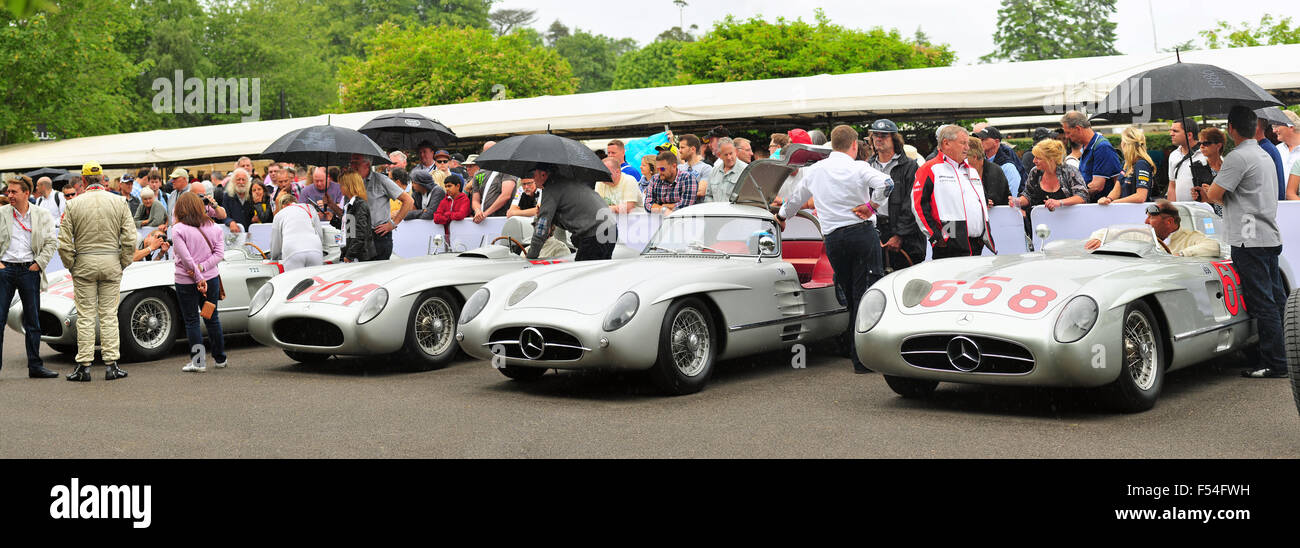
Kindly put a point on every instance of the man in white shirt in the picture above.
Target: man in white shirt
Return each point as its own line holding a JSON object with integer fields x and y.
{"x": 48, "y": 199}
{"x": 847, "y": 193}
{"x": 1183, "y": 134}
{"x": 27, "y": 234}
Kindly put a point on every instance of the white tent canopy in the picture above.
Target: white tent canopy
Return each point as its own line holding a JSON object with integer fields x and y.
{"x": 967, "y": 91}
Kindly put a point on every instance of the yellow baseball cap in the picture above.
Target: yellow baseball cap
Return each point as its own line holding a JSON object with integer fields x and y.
{"x": 179, "y": 172}
{"x": 91, "y": 169}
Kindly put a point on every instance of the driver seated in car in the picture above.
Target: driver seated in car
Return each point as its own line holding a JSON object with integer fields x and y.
{"x": 1163, "y": 217}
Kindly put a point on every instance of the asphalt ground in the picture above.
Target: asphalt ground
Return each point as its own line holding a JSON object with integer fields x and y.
{"x": 267, "y": 406}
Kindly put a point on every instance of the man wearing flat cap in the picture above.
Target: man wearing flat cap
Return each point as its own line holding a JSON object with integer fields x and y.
{"x": 96, "y": 242}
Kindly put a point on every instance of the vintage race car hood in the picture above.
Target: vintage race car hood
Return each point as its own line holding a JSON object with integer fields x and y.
{"x": 383, "y": 272}
{"x": 1026, "y": 286}
{"x": 762, "y": 179}
{"x": 592, "y": 287}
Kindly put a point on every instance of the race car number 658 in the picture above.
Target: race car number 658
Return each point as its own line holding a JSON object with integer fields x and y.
{"x": 1031, "y": 299}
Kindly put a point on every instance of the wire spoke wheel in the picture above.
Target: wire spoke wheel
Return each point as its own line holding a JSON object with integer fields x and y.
{"x": 1140, "y": 350}
{"x": 435, "y": 326}
{"x": 690, "y": 342}
{"x": 150, "y": 323}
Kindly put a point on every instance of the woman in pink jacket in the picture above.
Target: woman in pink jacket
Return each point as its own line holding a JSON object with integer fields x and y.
{"x": 199, "y": 246}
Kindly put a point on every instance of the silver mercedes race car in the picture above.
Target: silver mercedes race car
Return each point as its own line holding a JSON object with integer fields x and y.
{"x": 1117, "y": 318}
{"x": 717, "y": 281}
{"x": 401, "y": 307}
{"x": 149, "y": 320}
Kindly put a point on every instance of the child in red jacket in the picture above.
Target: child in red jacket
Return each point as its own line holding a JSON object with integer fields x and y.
{"x": 456, "y": 205}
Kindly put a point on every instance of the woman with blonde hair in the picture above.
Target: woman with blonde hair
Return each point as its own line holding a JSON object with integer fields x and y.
{"x": 1135, "y": 184}
{"x": 360, "y": 238}
{"x": 1051, "y": 183}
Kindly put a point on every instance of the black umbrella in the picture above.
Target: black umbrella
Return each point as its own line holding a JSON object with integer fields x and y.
{"x": 405, "y": 131}
{"x": 1180, "y": 90}
{"x": 53, "y": 173}
{"x": 518, "y": 156}
{"x": 325, "y": 146}
{"x": 1274, "y": 116}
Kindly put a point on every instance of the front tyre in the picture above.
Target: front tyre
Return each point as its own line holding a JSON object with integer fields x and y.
{"x": 687, "y": 348}
{"x": 431, "y": 330}
{"x": 148, "y": 323}
{"x": 912, "y": 389}
{"x": 1291, "y": 333}
{"x": 1142, "y": 362}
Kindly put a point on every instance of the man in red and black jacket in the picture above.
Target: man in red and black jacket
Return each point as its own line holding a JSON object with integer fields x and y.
{"x": 949, "y": 202}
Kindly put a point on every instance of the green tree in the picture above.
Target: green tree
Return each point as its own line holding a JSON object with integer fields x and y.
{"x": 1032, "y": 30}
{"x": 593, "y": 57}
{"x": 165, "y": 36}
{"x": 650, "y": 67}
{"x": 62, "y": 70}
{"x": 676, "y": 34}
{"x": 441, "y": 65}
{"x": 530, "y": 35}
{"x": 1188, "y": 45}
{"x": 23, "y": 9}
{"x": 555, "y": 32}
{"x": 266, "y": 39}
{"x": 756, "y": 49}
{"x": 1270, "y": 32}
{"x": 506, "y": 20}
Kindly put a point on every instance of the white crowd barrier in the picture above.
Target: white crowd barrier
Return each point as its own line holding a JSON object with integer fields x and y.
{"x": 415, "y": 238}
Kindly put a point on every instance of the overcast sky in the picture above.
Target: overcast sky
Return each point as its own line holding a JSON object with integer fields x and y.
{"x": 967, "y": 25}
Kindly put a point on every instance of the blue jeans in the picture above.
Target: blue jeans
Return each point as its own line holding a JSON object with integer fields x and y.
{"x": 191, "y": 302}
{"x": 854, "y": 254}
{"x": 1261, "y": 287}
{"x": 28, "y": 285}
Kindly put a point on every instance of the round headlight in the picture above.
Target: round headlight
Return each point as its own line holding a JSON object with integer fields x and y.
{"x": 474, "y": 305}
{"x": 870, "y": 310}
{"x": 1076, "y": 319}
{"x": 622, "y": 312}
{"x": 260, "y": 299}
{"x": 374, "y": 304}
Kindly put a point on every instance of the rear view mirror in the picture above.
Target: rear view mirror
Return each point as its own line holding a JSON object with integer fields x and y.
{"x": 766, "y": 245}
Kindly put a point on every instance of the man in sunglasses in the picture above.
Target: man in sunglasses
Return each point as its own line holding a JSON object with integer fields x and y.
{"x": 670, "y": 188}
{"x": 1163, "y": 217}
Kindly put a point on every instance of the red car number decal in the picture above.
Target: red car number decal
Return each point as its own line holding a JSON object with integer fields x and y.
{"x": 1232, "y": 297}
{"x": 542, "y": 262}
{"x": 1031, "y": 299}
{"x": 322, "y": 291}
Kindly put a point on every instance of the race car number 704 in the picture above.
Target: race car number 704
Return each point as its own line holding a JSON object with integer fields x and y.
{"x": 322, "y": 291}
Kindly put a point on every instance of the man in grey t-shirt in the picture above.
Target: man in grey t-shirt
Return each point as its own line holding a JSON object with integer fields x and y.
{"x": 1247, "y": 187}
{"x": 379, "y": 190}
{"x": 575, "y": 207}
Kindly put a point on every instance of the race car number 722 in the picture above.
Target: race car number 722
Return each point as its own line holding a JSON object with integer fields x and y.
{"x": 322, "y": 291}
{"x": 1031, "y": 299}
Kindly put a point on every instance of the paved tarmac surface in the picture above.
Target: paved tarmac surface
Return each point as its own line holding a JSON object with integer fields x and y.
{"x": 265, "y": 405}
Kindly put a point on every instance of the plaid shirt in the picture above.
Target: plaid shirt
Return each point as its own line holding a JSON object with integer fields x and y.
{"x": 681, "y": 191}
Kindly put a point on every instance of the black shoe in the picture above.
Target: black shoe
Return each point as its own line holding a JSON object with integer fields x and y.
{"x": 113, "y": 372}
{"x": 40, "y": 373}
{"x": 82, "y": 374}
{"x": 1264, "y": 373}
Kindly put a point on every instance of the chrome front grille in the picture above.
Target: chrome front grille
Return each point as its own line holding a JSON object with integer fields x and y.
{"x": 543, "y": 344}
{"x": 995, "y": 356}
